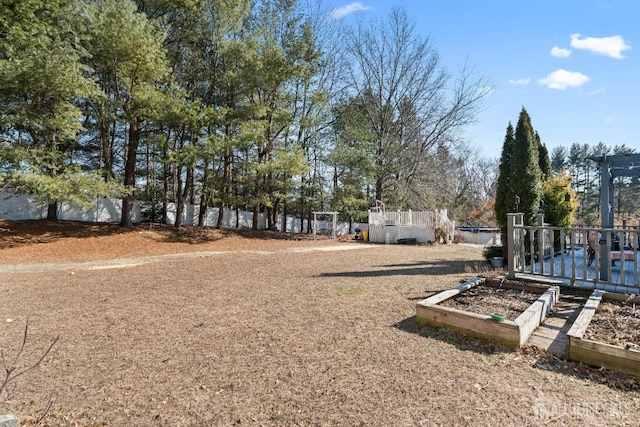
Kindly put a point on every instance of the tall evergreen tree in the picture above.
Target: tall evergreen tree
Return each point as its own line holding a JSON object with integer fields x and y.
{"x": 505, "y": 194}
{"x": 558, "y": 159}
{"x": 351, "y": 161}
{"x": 42, "y": 82}
{"x": 544, "y": 160}
{"x": 525, "y": 178}
{"x": 128, "y": 66}
{"x": 520, "y": 174}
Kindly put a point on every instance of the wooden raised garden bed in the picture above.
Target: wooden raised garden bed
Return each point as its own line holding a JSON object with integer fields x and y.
{"x": 513, "y": 332}
{"x": 620, "y": 354}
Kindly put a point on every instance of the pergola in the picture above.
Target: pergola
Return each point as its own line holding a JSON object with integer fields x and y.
{"x": 334, "y": 223}
{"x": 611, "y": 167}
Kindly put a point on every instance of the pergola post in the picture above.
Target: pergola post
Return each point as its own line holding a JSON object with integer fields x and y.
{"x": 606, "y": 217}
{"x": 334, "y": 223}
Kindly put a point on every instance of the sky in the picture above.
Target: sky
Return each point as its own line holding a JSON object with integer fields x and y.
{"x": 574, "y": 65}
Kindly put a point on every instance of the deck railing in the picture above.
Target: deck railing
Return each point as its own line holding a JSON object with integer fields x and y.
{"x": 608, "y": 261}
{"x": 424, "y": 219}
{"x": 436, "y": 218}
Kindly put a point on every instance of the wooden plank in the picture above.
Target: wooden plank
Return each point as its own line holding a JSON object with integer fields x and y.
{"x": 586, "y": 314}
{"x": 441, "y": 296}
{"x": 555, "y": 343}
{"x": 605, "y": 355}
{"x": 536, "y": 313}
{"x": 506, "y": 332}
{"x": 627, "y": 298}
{"x": 541, "y": 279}
{"x": 519, "y": 286}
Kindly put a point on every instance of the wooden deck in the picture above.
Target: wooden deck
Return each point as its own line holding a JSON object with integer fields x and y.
{"x": 578, "y": 282}
{"x": 571, "y": 268}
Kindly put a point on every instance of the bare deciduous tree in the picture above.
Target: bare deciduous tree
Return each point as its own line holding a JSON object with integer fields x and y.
{"x": 413, "y": 103}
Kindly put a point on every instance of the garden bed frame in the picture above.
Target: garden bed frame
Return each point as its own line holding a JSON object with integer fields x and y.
{"x": 579, "y": 349}
{"x": 512, "y": 333}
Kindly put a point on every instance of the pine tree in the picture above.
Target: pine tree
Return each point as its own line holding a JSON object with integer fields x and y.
{"x": 129, "y": 67}
{"x": 525, "y": 177}
{"x": 520, "y": 176}
{"x": 544, "y": 161}
{"x": 42, "y": 83}
{"x": 558, "y": 159}
{"x": 504, "y": 194}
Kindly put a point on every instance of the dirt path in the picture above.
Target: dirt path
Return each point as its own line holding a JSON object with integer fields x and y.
{"x": 135, "y": 261}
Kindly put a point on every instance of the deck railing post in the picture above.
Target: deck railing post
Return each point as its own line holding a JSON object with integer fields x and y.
{"x": 512, "y": 250}
{"x": 541, "y": 242}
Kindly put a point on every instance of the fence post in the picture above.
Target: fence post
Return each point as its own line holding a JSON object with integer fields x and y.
{"x": 511, "y": 249}
{"x": 541, "y": 242}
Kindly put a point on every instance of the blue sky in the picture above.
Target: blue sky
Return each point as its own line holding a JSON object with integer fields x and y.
{"x": 573, "y": 64}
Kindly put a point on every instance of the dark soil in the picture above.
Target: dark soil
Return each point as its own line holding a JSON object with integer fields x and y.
{"x": 485, "y": 299}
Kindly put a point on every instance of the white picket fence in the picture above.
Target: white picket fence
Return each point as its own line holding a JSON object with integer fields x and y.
{"x": 27, "y": 207}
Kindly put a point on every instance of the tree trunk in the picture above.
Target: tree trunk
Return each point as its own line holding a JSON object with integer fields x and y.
{"x": 179, "y": 211}
{"x": 379, "y": 189}
{"x": 254, "y": 220}
{"x": 183, "y": 195}
{"x": 273, "y": 223}
{"x": 206, "y": 193}
{"x": 309, "y": 221}
{"x": 202, "y": 212}
{"x": 165, "y": 183}
{"x": 224, "y": 188}
{"x": 283, "y": 227}
{"x": 268, "y": 218}
{"x": 179, "y": 200}
{"x": 52, "y": 210}
{"x": 220, "y": 220}
{"x": 106, "y": 150}
{"x": 130, "y": 173}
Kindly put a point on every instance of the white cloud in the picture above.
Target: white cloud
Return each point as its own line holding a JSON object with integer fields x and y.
{"x": 612, "y": 46}
{"x": 562, "y": 79}
{"x": 348, "y": 9}
{"x": 520, "y": 82}
{"x": 559, "y": 52}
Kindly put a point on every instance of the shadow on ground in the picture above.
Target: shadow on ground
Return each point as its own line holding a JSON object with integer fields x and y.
{"x": 29, "y": 232}
{"x": 17, "y": 233}
{"x": 537, "y": 357}
{"x": 422, "y": 268}
{"x": 462, "y": 342}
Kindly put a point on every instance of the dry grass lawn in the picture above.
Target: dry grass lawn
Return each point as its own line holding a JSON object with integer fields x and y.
{"x": 160, "y": 327}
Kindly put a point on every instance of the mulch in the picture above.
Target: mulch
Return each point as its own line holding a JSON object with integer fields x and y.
{"x": 485, "y": 299}
{"x": 615, "y": 323}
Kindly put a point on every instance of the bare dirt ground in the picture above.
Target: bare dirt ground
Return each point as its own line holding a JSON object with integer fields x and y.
{"x": 160, "y": 327}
